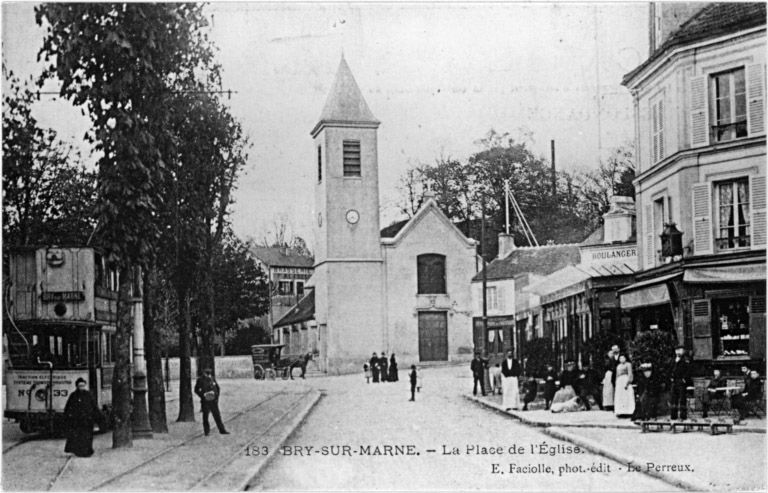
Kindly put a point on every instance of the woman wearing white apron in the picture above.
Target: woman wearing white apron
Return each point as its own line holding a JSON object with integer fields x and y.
{"x": 624, "y": 395}
{"x": 510, "y": 391}
{"x": 608, "y": 382}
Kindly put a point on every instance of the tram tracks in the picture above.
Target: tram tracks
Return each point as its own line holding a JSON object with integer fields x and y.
{"x": 167, "y": 450}
{"x": 240, "y": 451}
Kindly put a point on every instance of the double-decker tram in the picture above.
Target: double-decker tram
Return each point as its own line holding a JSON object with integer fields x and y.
{"x": 60, "y": 309}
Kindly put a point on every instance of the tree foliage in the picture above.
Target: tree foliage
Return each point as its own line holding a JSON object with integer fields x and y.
{"x": 124, "y": 63}
{"x": 48, "y": 196}
{"x": 565, "y": 213}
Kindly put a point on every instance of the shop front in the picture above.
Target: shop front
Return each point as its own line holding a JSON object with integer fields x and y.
{"x": 716, "y": 308}
{"x": 496, "y": 339}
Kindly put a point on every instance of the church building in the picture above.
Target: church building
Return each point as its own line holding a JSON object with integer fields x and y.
{"x": 404, "y": 290}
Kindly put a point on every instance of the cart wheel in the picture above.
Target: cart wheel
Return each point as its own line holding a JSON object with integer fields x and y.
{"x": 271, "y": 374}
{"x": 258, "y": 372}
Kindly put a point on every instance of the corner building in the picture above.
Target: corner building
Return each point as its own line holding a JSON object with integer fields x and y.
{"x": 700, "y": 135}
{"x": 407, "y": 293}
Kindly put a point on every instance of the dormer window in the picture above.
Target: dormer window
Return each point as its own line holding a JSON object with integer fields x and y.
{"x": 351, "y": 158}
{"x": 728, "y": 106}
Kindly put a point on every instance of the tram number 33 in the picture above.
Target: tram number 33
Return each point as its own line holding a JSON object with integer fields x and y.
{"x": 256, "y": 451}
{"x": 56, "y": 392}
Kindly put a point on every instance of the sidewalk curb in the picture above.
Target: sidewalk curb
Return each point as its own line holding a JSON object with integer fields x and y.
{"x": 520, "y": 416}
{"x": 597, "y": 448}
{"x": 546, "y": 424}
{"x": 254, "y": 472}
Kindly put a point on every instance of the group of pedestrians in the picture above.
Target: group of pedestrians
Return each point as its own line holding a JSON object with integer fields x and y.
{"x": 621, "y": 391}
{"x": 381, "y": 368}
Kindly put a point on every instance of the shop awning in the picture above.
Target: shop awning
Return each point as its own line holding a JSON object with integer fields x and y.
{"x": 646, "y": 293}
{"x": 729, "y": 273}
{"x": 564, "y": 282}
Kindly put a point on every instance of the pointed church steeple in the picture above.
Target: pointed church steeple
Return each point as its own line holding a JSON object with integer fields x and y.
{"x": 345, "y": 103}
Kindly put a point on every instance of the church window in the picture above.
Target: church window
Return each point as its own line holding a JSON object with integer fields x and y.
{"x": 319, "y": 163}
{"x": 431, "y": 273}
{"x": 351, "y": 158}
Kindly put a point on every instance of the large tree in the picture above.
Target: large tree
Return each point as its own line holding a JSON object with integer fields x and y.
{"x": 462, "y": 188}
{"x": 123, "y": 63}
{"x": 48, "y": 196}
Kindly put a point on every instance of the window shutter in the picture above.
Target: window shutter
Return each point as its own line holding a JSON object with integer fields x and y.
{"x": 758, "y": 220}
{"x": 756, "y": 99}
{"x": 702, "y": 219}
{"x": 702, "y": 330}
{"x": 757, "y": 327}
{"x": 650, "y": 254}
{"x": 654, "y": 133}
{"x": 697, "y": 95}
{"x": 660, "y": 115}
{"x": 500, "y": 301}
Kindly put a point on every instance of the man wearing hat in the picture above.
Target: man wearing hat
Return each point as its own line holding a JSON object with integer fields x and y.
{"x": 681, "y": 379}
{"x": 649, "y": 387}
{"x": 208, "y": 390}
{"x": 478, "y": 373}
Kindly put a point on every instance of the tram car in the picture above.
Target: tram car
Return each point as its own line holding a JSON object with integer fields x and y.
{"x": 60, "y": 310}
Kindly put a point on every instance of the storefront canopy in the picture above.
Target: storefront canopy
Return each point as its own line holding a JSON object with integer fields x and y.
{"x": 646, "y": 293}
{"x": 567, "y": 277}
{"x": 729, "y": 273}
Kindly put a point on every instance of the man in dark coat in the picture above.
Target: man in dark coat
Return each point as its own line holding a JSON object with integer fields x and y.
{"x": 478, "y": 374}
{"x": 752, "y": 393}
{"x": 208, "y": 390}
{"x": 530, "y": 388}
{"x": 81, "y": 413}
{"x": 413, "y": 376}
{"x": 711, "y": 393}
{"x": 374, "y": 362}
{"x": 589, "y": 386}
{"x": 649, "y": 388}
{"x": 384, "y": 367}
{"x": 681, "y": 379}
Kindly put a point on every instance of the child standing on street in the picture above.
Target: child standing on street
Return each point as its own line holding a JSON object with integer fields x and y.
{"x": 413, "y": 376}
{"x": 367, "y": 372}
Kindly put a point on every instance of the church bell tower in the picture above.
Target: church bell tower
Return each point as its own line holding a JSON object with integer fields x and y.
{"x": 348, "y": 260}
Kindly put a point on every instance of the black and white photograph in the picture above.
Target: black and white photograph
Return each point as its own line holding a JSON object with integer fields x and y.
{"x": 384, "y": 246}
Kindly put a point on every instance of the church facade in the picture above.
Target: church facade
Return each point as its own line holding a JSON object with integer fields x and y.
{"x": 406, "y": 293}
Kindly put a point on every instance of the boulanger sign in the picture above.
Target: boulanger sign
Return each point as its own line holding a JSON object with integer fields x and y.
{"x": 613, "y": 255}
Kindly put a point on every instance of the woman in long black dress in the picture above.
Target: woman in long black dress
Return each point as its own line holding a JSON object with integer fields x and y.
{"x": 81, "y": 413}
{"x": 393, "y": 376}
{"x": 549, "y": 386}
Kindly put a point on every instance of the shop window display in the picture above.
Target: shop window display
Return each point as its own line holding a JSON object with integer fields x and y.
{"x": 731, "y": 318}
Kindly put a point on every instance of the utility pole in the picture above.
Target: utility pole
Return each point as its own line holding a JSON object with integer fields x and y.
{"x": 485, "y": 274}
{"x": 506, "y": 205}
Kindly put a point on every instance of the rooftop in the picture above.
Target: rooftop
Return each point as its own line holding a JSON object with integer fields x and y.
{"x": 714, "y": 20}
{"x": 541, "y": 260}
{"x": 301, "y": 312}
{"x": 282, "y": 257}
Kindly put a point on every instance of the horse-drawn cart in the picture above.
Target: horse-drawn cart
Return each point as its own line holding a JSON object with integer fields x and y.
{"x": 268, "y": 364}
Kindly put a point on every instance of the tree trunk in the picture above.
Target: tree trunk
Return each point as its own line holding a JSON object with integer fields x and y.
{"x": 207, "y": 350}
{"x": 121, "y": 380}
{"x": 152, "y": 349}
{"x": 186, "y": 404}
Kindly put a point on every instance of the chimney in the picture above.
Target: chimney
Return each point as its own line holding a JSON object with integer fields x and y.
{"x": 619, "y": 220}
{"x": 506, "y": 245}
{"x": 554, "y": 175}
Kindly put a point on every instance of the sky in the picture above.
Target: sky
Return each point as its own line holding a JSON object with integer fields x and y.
{"x": 438, "y": 76}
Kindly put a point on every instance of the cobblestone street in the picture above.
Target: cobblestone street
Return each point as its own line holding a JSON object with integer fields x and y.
{"x": 355, "y": 414}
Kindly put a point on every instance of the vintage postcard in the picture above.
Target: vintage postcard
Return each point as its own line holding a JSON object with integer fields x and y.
{"x": 377, "y": 246}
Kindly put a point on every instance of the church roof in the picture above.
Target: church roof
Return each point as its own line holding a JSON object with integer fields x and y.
{"x": 394, "y": 233}
{"x": 345, "y": 103}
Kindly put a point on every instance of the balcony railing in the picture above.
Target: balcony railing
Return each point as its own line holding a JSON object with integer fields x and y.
{"x": 729, "y": 131}
{"x": 732, "y": 242}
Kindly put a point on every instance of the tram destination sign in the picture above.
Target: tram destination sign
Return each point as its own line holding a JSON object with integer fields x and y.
{"x": 63, "y": 296}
